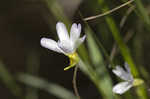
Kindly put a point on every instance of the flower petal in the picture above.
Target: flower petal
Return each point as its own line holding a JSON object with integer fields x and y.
{"x": 122, "y": 87}
{"x": 127, "y": 67}
{"x": 128, "y": 70}
{"x": 65, "y": 46}
{"x": 50, "y": 44}
{"x": 75, "y": 32}
{"x": 119, "y": 71}
{"x": 62, "y": 32}
{"x": 79, "y": 42}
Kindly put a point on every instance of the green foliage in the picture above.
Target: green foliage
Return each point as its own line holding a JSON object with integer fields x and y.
{"x": 94, "y": 60}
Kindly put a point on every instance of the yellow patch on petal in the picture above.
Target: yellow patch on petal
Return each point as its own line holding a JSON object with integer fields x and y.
{"x": 74, "y": 59}
{"x": 137, "y": 82}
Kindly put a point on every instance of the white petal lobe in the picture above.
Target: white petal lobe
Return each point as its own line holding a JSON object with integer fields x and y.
{"x": 62, "y": 32}
{"x": 122, "y": 87}
{"x": 65, "y": 46}
{"x": 79, "y": 41}
{"x": 82, "y": 39}
{"x": 50, "y": 44}
{"x": 120, "y": 72}
{"x": 127, "y": 67}
{"x": 75, "y": 32}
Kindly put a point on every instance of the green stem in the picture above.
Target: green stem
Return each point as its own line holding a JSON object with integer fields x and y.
{"x": 92, "y": 74}
{"x": 143, "y": 12}
{"x": 116, "y": 34}
{"x": 123, "y": 48}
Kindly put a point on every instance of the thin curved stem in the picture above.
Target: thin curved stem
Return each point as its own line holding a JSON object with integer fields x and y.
{"x": 74, "y": 82}
{"x": 107, "y": 12}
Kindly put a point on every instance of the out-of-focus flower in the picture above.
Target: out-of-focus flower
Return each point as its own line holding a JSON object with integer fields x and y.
{"x": 129, "y": 81}
{"x": 66, "y": 44}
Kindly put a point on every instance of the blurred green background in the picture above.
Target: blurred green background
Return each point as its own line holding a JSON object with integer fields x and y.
{"x": 23, "y": 23}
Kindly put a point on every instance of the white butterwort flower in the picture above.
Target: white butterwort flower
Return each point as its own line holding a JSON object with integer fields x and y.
{"x": 129, "y": 81}
{"x": 66, "y": 44}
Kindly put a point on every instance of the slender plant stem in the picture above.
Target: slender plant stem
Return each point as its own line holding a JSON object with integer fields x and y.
{"x": 143, "y": 13}
{"x": 108, "y": 12}
{"x": 122, "y": 46}
{"x": 123, "y": 20}
{"x": 75, "y": 83}
{"x": 114, "y": 50}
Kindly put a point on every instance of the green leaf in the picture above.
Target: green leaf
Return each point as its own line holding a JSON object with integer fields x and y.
{"x": 97, "y": 60}
{"x": 51, "y": 88}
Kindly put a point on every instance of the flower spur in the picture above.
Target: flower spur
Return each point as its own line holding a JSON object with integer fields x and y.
{"x": 66, "y": 44}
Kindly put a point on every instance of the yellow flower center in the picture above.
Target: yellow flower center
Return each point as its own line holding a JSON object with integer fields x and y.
{"x": 74, "y": 59}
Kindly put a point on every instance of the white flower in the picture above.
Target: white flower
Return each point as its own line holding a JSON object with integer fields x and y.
{"x": 129, "y": 80}
{"x": 66, "y": 44}
{"x": 124, "y": 75}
